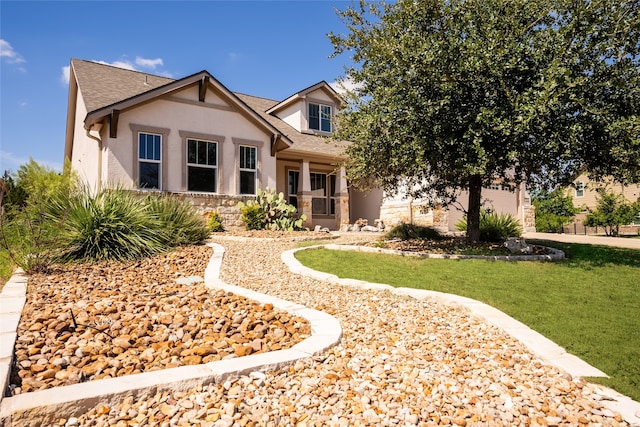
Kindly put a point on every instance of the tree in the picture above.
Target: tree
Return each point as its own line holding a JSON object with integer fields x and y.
{"x": 452, "y": 95}
{"x": 612, "y": 211}
{"x": 553, "y": 210}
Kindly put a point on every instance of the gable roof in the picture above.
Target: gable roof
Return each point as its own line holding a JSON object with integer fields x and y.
{"x": 303, "y": 93}
{"x": 302, "y": 142}
{"x": 106, "y": 88}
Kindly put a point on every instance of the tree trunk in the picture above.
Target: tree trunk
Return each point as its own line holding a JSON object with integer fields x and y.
{"x": 473, "y": 211}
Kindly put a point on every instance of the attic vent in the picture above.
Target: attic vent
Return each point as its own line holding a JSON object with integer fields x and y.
{"x": 146, "y": 80}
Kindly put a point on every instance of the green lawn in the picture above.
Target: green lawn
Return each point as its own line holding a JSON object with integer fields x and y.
{"x": 589, "y": 303}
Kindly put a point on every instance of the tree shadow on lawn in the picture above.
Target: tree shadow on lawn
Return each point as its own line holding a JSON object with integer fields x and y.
{"x": 586, "y": 256}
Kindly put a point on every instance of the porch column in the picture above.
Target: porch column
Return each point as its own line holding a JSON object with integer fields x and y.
{"x": 304, "y": 193}
{"x": 342, "y": 199}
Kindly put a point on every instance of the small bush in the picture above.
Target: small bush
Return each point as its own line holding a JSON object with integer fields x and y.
{"x": 112, "y": 225}
{"x": 412, "y": 231}
{"x": 253, "y": 217}
{"x": 494, "y": 227}
{"x": 181, "y": 224}
{"x": 214, "y": 223}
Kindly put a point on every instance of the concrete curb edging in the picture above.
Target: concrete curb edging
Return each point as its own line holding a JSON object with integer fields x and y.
{"x": 542, "y": 347}
{"x": 47, "y": 406}
{"x": 555, "y": 254}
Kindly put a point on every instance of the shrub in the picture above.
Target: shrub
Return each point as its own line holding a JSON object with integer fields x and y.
{"x": 412, "y": 231}
{"x": 112, "y": 225}
{"x": 277, "y": 214}
{"x": 612, "y": 211}
{"x": 27, "y": 231}
{"x": 179, "y": 221}
{"x": 252, "y": 216}
{"x": 116, "y": 224}
{"x": 214, "y": 223}
{"x": 553, "y": 211}
{"x": 494, "y": 227}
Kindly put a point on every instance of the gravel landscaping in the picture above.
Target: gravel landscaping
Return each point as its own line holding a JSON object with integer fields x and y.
{"x": 400, "y": 362}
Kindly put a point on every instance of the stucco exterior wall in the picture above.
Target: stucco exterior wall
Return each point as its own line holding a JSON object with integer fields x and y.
{"x": 294, "y": 116}
{"x": 398, "y": 209}
{"x": 228, "y": 128}
{"x": 590, "y": 197}
{"x": 365, "y": 205}
{"x": 85, "y": 155}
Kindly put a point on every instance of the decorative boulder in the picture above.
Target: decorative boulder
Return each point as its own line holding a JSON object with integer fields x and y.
{"x": 517, "y": 245}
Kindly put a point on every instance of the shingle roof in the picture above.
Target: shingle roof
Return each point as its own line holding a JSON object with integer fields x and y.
{"x": 103, "y": 85}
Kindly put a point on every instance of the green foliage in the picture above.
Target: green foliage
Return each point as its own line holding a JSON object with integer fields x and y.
{"x": 26, "y": 231}
{"x": 271, "y": 210}
{"x": 252, "y": 215}
{"x": 448, "y": 93}
{"x": 412, "y": 231}
{"x": 494, "y": 227}
{"x": 553, "y": 211}
{"x": 612, "y": 211}
{"x": 112, "y": 225}
{"x": 214, "y": 223}
{"x": 116, "y": 224}
{"x": 182, "y": 225}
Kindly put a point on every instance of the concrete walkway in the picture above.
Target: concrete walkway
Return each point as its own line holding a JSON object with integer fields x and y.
{"x": 621, "y": 242}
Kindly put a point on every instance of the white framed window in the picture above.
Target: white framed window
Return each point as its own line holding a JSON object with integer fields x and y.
{"x": 323, "y": 192}
{"x": 202, "y": 165}
{"x": 149, "y": 160}
{"x": 579, "y": 189}
{"x": 320, "y": 117}
{"x": 248, "y": 169}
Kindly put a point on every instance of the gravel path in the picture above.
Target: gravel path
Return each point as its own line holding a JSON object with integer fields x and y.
{"x": 400, "y": 362}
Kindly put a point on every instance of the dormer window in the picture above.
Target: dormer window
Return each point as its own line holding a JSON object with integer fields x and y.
{"x": 320, "y": 117}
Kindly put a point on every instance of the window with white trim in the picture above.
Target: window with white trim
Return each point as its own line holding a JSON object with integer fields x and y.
{"x": 320, "y": 117}
{"x": 248, "y": 169}
{"x": 149, "y": 160}
{"x": 202, "y": 166}
{"x": 579, "y": 189}
{"x": 323, "y": 192}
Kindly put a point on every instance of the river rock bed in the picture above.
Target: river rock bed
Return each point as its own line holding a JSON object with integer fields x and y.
{"x": 89, "y": 322}
{"x": 401, "y": 362}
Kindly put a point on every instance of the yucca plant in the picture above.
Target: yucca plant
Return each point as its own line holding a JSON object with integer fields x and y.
{"x": 112, "y": 225}
{"x": 494, "y": 227}
{"x": 181, "y": 224}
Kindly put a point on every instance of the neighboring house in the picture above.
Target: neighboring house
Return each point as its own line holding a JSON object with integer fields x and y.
{"x": 195, "y": 138}
{"x": 584, "y": 193}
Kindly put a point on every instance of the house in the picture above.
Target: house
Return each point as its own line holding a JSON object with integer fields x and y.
{"x": 584, "y": 193}
{"x": 195, "y": 138}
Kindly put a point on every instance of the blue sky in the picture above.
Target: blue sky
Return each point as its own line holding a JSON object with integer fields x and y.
{"x": 264, "y": 48}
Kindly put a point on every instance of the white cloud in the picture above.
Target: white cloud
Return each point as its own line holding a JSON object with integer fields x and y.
{"x": 148, "y": 63}
{"x": 64, "y": 78}
{"x": 345, "y": 85}
{"x": 6, "y": 51}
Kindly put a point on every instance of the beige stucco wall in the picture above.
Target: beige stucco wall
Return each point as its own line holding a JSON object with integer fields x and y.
{"x": 365, "y": 205}
{"x": 397, "y": 209}
{"x": 590, "y": 197}
{"x": 85, "y": 154}
{"x": 175, "y": 117}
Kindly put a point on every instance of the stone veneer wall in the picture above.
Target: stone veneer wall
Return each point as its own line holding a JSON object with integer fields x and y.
{"x": 225, "y": 205}
{"x": 393, "y": 214}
